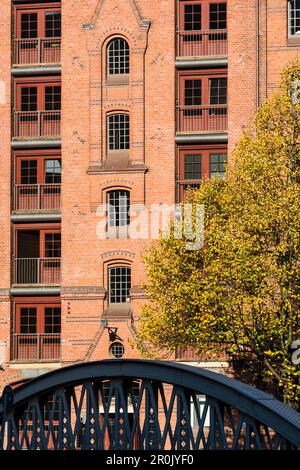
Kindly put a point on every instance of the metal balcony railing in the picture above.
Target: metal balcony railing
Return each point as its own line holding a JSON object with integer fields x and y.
{"x": 210, "y": 43}
{"x": 31, "y": 197}
{"x": 37, "y": 124}
{"x": 211, "y": 118}
{"x": 35, "y": 271}
{"x": 37, "y": 51}
{"x": 36, "y": 347}
{"x": 184, "y": 186}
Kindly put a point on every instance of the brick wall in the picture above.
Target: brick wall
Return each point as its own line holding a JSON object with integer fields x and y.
{"x": 5, "y": 178}
{"x": 87, "y": 97}
{"x": 258, "y": 48}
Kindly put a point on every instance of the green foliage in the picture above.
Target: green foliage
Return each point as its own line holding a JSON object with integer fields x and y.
{"x": 241, "y": 291}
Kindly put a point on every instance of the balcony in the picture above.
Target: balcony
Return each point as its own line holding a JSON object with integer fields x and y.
{"x": 36, "y": 125}
{"x": 37, "y": 197}
{"x": 39, "y": 51}
{"x": 201, "y": 49}
{"x": 36, "y": 347}
{"x": 195, "y": 119}
{"x": 211, "y": 43}
{"x": 184, "y": 186}
{"x": 37, "y": 271}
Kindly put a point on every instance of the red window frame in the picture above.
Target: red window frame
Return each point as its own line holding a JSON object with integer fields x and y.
{"x": 205, "y": 152}
{"x": 40, "y": 306}
{"x": 205, "y": 77}
{"x": 41, "y": 161}
{"x": 40, "y": 10}
{"x": 43, "y": 231}
{"x": 40, "y": 84}
{"x": 205, "y": 12}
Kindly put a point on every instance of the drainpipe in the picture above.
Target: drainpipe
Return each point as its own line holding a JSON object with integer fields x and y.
{"x": 257, "y": 52}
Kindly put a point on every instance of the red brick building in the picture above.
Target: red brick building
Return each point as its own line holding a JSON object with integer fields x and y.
{"x": 112, "y": 101}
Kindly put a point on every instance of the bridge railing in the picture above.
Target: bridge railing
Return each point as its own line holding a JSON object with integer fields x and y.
{"x": 147, "y": 405}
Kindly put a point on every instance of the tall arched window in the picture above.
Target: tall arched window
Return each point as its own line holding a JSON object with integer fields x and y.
{"x": 118, "y": 57}
{"x": 119, "y": 284}
{"x": 118, "y": 208}
{"x": 118, "y": 132}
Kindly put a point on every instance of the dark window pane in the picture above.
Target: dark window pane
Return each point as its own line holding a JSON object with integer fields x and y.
{"x": 52, "y": 98}
{"x": 118, "y": 132}
{"x": 192, "y": 92}
{"x": 29, "y": 172}
{"x": 29, "y": 23}
{"x": 217, "y": 16}
{"x": 53, "y": 24}
{"x": 218, "y": 91}
{"x": 192, "y": 167}
{"x": 52, "y": 320}
{"x": 192, "y": 17}
{"x": 28, "y": 99}
{"x": 28, "y": 320}
{"x": 53, "y": 245}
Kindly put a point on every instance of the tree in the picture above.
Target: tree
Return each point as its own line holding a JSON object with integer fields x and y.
{"x": 241, "y": 291}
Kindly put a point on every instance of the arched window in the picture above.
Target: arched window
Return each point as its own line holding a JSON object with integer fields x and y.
{"x": 118, "y": 208}
{"x": 118, "y": 132}
{"x": 118, "y": 57}
{"x": 119, "y": 284}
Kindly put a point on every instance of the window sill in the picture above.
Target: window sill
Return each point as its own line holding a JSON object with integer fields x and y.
{"x": 117, "y": 80}
{"x": 293, "y": 41}
{"x": 122, "y": 311}
{"x": 117, "y": 233}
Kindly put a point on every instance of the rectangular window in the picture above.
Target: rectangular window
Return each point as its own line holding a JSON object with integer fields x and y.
{"x": 53, "y": 24}
{"x": 38, "y": 170}
{"x": 192, "y": 92}
{"x": 118, "y": 208}
{"x": 196, "y": 16}
{"x": 192, "y": 167}
{"x": 29, "y": 172}
{"x": 294, "y": 17}
{"x": 196, "y": 89}
{"x": 29, "y": 99}
{"x": 29, "y": 25}
{"x": 217, "y": 16}
{"x": 38, "y": 319}
{"x": 52, "y": 320}
{"x": 42, "y": 96}
{"x": 198, "y": 164}
{"x": 192, "y": 17}
{"x": 119, "y": 284}
{"x": 52, "y": 98}
{"x": 118, "y": 132}
{"x": 218, "y": 90}
{"x": 33, "y": 21}
{"x": 53, "y": 171}
{"x": 53, "y": 245}
{"x": 218, "y": 162}
{"x": 28, "y": 320}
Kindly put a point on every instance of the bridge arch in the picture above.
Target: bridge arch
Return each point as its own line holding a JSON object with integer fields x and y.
{"x": 136, "y": 404}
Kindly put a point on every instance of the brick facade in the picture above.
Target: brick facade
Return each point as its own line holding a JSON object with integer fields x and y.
{"x": 258, "y": 48}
